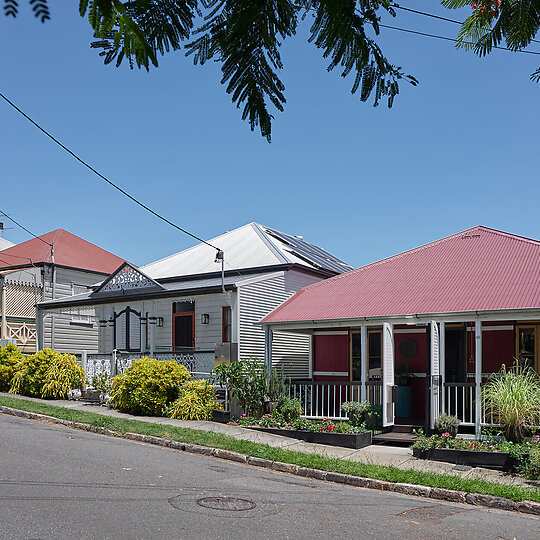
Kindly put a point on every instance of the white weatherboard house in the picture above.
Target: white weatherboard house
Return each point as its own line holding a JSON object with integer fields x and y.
{"x": 185, "y": 307}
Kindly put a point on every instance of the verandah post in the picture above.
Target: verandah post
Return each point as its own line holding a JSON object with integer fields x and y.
{"x": 478, "y": 377}
{"x": 268, "y": 347}
{"x": 363, "y": 362}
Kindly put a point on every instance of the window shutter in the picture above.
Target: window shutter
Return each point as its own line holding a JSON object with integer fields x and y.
{"x": 120, "y": 332}
{"x": 134, "y": 332}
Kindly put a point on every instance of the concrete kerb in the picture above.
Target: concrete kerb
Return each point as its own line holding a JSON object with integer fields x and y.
{"x": 476, "y": 499}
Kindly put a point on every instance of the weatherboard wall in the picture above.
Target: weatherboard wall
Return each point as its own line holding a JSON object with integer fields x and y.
{"x": 69, "y": 335}
{"x": 258, "y": 299}
{"x": 206, "y": 335}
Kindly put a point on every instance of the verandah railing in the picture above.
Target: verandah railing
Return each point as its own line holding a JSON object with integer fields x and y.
{"x": 198, "y": 363}
{"x": 324, "y": 399}
{"x": 460, "y": 401}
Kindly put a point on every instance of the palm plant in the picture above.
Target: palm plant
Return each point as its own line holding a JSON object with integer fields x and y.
{"x": 512, "y": 397}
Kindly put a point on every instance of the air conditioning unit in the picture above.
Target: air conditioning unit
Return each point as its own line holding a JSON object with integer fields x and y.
{"x": 226, "y": 353}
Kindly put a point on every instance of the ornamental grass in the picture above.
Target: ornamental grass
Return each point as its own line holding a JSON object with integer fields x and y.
{"x": 513, "y": 398}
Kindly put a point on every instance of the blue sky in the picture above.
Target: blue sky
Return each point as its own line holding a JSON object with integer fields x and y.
{"x": 362, "y": 182}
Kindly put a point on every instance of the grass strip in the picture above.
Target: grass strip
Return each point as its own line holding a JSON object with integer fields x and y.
{"x": 218, "y": 440}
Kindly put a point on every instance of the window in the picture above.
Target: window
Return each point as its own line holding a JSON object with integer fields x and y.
{"x": 374, "y": 351}
{"x": 527, "y": 342}
{"x": 226, "y": 324}
{"x": 78, "y": 317}
{"x": 356, "y": 356}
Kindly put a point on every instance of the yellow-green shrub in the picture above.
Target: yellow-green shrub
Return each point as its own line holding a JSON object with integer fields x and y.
{"x": 148, "y": 386}
{"x": 47, "y": 374}
{"x": 9, "y": 356}
{"x": 195, "y": 402}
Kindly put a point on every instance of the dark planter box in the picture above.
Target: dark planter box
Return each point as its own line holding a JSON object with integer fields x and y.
{"x": 92, "y": 397}
{"x": 347, "y": 440}
{"x": 489, "y": 460}
{"x": 221, "y": 416}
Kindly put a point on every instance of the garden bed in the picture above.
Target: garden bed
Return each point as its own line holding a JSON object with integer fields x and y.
{"x": 472, "y": 458}
{"x": 346, "y": 440}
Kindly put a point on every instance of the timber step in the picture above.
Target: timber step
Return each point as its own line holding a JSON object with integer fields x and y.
{"x": 393, "y": 437}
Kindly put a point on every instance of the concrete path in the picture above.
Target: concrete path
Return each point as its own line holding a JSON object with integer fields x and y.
{"x": 375, "y": 454}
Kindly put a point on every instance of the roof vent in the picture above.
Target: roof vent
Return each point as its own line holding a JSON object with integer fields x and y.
{"x": 467, "y": 236}
{"x": 300, "y": 237}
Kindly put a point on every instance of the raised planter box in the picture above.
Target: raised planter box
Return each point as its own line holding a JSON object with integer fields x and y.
{"x": 489, "y": 460}
{"x": 346, "y": 440}
{"x": 221, "y": 416}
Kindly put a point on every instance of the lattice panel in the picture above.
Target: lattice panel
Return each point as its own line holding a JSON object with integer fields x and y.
{"x": 21, "y": 299}
{"x": 24, "y": 333}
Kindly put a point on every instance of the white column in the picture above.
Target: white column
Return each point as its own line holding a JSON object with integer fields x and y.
{"x": 478, "y": 376}
{"x": 364, "y": 365}
{"x": 310, "y": 357}
{"x": 268, "y": 347}
{"x": 442, "y": 363}
{"x": 152, "y": 321}
{"x": 40, "y": 319}
{"x": 388, "y": 374}
{"x": 434, "y": 375}
{"x": 3, "y": 310}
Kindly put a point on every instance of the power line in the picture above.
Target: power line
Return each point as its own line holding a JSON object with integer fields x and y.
{"x": 125, "y": 193}
{"x": 452, "y": 39}
{"x": 433, "y": 16}
{"x": 24, "y": 228}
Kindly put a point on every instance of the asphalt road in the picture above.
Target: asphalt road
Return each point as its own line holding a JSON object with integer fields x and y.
{"x": 60, "y": 483}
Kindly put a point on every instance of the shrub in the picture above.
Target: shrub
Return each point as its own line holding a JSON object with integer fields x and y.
{"x": 196, "y": 401}
{"x": 47, "y": 374}
{"x": 290, "y": 409}
{"x": 275, "y": 385}
{"x": 356, "y": 411}
{"x": 513, "y": 398}
{"x": 532, "y": 467}
{"x": 246, "y": 381}
{"x": 9, "y": 356}
{"x": 447, "y": 423}
{"x": 148, "y": 386}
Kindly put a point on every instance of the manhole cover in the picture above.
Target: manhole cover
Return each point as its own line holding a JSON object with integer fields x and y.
{"x": 437, "y": 512}
{"x": 230, "y": 504}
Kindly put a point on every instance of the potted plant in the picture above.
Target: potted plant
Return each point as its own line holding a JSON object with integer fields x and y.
{"x": 275, "y": 389}
{"x": 447, "y": 423}
{"x": 403, "y": 375}
{"x": 356, "y": 411}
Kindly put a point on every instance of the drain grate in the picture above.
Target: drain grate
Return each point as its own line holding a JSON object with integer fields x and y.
{"x": 229, "y": 504}
{"x": 437, "y": 512}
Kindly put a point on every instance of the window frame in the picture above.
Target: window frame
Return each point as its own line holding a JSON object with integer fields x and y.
{"x": 226, "y": 327}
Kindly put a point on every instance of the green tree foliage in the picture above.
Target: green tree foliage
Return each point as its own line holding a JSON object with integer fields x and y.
{"x": 495, "y": 22}
{"x": 47, "y": 374}
{"x": 148, "y": 386}
{"x": 9, "y": 356}
{"x": 244, "y": 37}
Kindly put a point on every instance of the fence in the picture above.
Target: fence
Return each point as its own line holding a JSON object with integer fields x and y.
{"x": 196, "y": 362}
{"x": 324, "y": 399}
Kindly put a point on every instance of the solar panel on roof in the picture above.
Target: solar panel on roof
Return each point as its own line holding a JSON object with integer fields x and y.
{"x": 311, "y": 253}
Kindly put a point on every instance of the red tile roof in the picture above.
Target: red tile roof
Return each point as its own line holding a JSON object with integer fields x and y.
{"x": 69, "y": 250}
{"x": 477, "y": 269}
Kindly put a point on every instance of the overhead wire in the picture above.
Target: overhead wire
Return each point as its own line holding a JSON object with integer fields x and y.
{"x": 24, "y": 228}
{"x": 433, "y": 16}
{"x": 110, "y": 182}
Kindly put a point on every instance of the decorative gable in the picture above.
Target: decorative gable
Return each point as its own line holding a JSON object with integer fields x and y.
{"x": 127, "y": 278}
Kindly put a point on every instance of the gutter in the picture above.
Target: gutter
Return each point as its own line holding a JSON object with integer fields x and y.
{"x": 410, "y": 318}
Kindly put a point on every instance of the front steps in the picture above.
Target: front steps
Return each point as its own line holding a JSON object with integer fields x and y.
{"x": 401, "y": 434}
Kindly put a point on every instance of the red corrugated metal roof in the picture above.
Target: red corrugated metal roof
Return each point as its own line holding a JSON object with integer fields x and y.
{"x": 69, "y": 250}
{"x": 477, "y": 269}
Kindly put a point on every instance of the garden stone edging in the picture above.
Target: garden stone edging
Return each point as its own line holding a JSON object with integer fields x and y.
{"x": 476, "y": 499}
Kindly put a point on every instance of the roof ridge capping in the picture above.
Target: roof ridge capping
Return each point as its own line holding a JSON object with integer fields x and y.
{"x": 465, "y": 233}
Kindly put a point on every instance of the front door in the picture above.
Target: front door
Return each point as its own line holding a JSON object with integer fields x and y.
{"x": 183, "y": 331}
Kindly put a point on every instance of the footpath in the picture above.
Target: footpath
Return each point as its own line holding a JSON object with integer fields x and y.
{"x": 395, "y": 456}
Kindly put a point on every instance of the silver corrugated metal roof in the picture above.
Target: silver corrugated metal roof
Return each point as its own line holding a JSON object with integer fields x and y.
{"x": 250, "y": 246}
{"x": 4, "y": 244}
